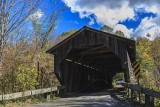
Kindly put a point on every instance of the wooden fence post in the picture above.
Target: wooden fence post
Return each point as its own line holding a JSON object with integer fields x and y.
{"x": 139, "y": 93}
{"x": 149, "y": 101}
{"x": 128, "y": 91}
{"x": 132, "y": 94}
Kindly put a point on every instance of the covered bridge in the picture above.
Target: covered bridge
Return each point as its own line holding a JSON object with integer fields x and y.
{"x": 89, "y": 59}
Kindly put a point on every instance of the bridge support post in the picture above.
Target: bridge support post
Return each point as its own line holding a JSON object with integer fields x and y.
{"x": 131, "y": 94}
{"x": 128, "y": 92}
{"x": 149, "y": 101}
{"x": 47, "y": 96}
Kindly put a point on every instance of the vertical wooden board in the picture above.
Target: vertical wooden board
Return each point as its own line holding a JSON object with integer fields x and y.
{"x": 75, "y": 42}
{"x": 82, "y": 39}
{"x": 58, "y": 59}
{"x": 87, "y": 37}
{"x": 67, "y": 72}
{"x": 106, "y": 41}
{"x": 120, "y": 52}
{"x": 110, "y": 43}
{"x": 116, "y": 46}
{"x": 55, "y": 63}
{"x": 103, "y": 39}
{"x": 92, "y": 38}
{"x": 97, "y": 37}
{"x": 149, "y": 101}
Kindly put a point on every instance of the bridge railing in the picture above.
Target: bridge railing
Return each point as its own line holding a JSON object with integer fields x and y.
{"x": 150, "y": 95}
{"x": 28, "y": 93}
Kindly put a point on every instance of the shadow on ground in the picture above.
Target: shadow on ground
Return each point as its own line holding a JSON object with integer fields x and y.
{"x": 101, "y": 99}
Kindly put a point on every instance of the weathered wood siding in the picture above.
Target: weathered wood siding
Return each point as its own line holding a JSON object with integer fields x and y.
{"x": 117, "y": 45}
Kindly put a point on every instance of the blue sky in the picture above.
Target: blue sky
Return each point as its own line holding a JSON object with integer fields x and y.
{"x": 135, "y": 18}
{"x": 71, "y": 20}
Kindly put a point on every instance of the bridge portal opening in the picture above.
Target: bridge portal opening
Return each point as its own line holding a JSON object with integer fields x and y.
{"x": 90, "y": 68}
{"x": 88, "y": 59}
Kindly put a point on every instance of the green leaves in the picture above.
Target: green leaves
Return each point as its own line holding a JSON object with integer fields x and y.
{"x": 106, "y": 28}
{"x": 119, "y": 33}
{"x": 26, "y": 78}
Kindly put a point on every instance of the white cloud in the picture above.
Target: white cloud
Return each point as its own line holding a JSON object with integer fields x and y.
{"x": 148, "y": 25}
{"x": 111, "y": 12}
{"x": 76, "y": 22}
{"x": 91, "y": 21}
{"x": 37, "y": 15}
{"x": 103, "y": 14}
{"x": 124, "y": 29}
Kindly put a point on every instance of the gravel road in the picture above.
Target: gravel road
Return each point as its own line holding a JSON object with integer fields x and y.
{"x": 88, "y": 100}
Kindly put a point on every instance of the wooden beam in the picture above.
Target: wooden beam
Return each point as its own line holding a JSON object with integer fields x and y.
{"x": 95, "y": 52}
{"x": 27, "y": 93}
{"x": 93, "y": 49}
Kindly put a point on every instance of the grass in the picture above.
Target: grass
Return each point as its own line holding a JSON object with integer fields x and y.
{"x": 26, "y": 101}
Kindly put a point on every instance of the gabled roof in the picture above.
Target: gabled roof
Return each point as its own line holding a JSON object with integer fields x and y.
{"x": 90, "y": 29}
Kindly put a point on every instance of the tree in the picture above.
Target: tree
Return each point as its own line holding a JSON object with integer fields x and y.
{"x": 144, "y": 56}
{"x": 43, "y": 30}
{"x": 106, "y": 28}
{"x": 22, "y": 44}
{"x": 119, "y": 33}
{"x": 44, "y": 26}
{"x": 65, "y": 35}
{"x": 148, "y": 56}
{"x": 155, "y": 52}
{"x": 13, "y": 15}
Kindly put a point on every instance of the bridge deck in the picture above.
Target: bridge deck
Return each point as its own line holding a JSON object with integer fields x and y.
{"x": 89, "y": 100}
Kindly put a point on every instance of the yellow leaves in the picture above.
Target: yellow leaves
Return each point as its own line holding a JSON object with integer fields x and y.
{"x": 26, "y": 78}
{"x": 144, "y": 53}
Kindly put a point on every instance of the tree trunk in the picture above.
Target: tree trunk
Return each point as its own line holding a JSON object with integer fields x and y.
{"x": 1, "y": 54}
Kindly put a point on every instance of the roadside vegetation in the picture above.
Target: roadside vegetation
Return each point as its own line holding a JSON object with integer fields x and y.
{"x": 27, "y": 31}
{"x": 148, "y": 55}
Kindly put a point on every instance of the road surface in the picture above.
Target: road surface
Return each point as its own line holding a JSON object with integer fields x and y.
{"x": 88, "y": 100}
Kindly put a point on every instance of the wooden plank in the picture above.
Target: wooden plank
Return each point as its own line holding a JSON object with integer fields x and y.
{"x": 151, "y": 92}
{"x": 149, "y": 101}
{"x": 143, "y": 90}
{"x": 93, "y": 49}
{"x": 26, "y": 93}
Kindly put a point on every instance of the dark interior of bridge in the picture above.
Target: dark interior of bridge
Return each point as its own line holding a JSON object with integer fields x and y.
{"x": 91, "y": 68}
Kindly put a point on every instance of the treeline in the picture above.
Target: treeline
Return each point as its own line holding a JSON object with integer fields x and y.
{"x": 148, "y": 55}
{"x": 26, "y": 32}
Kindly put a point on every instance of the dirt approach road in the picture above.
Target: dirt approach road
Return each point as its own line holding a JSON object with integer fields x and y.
{"x": 88, "y": 100}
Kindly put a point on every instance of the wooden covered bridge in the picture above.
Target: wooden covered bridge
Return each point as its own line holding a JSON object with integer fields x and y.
{"x": 89, "y": 59}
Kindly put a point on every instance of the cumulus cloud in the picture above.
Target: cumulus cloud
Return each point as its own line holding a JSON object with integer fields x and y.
{"x": 111, "y": 12}
{"x": 124, "y": 29}
{"x": 148, "y": 25}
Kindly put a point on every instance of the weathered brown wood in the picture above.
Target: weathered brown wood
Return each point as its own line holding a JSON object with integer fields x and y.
{"x": 27, "y": 93}
{"x": 149, "y": 94}
{"x": 100, "y": 50}
{"x": 149, "y": 101}
{"x": 93, "y": 49}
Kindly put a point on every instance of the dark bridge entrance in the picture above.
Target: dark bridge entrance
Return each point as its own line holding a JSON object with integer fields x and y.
{"x": 88, "y": 60}
{"x": 91, "y": 68}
